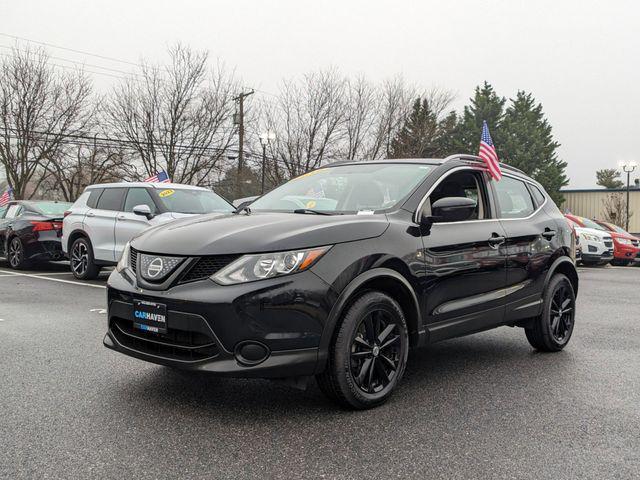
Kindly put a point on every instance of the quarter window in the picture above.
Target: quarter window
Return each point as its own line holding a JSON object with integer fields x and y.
{"x": 538, "y": 196}
{"x": 92, "y": 201}
{"x": 111, "y": 199}
{"x": 514, "y": 198}
{"x": 13, "y": 211}
{"x": 139, "y": 196}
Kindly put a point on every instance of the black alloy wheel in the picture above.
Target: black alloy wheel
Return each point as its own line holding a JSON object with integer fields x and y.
{"x": 81, "y": 260}
{"x": 368, "y": 353}
{"x": 375, "y": 352}
{"x": 16, "y": 255}
{"x": 551, "y": 331}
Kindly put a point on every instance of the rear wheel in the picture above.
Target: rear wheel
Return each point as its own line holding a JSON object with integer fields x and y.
{"x": 16, "y": 254}
{"x": 81, "y": 260}
{"x": 368, "y": 354}
{"x": 552, "y": 330}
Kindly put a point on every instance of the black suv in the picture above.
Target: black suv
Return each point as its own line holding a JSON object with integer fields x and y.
{"x": 338, "y": 272}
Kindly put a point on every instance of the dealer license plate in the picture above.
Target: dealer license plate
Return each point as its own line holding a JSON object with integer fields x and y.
{"x": 150, "y": 316}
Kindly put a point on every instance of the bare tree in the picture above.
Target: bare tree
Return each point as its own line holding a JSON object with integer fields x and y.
{"x": 394, "y": 102}
{"x": 39, "y": 108}
{"x": 361, "y": 114}
{"x": 178, "y": 118}
{"x": 615, "y": 209}
{"x": 306, "y": 118}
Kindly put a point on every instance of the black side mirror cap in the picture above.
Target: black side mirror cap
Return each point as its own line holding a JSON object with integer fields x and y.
{"x": 453, "y": 209}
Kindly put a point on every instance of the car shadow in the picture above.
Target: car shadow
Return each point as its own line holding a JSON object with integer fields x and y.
{"x": 474, "y": 362}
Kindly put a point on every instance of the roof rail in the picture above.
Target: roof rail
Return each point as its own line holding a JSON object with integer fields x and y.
{"x": 475, "y": 158}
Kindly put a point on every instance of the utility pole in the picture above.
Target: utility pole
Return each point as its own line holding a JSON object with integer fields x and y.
{"x": 628, "y": 168}
{"x": 239, "y": 120}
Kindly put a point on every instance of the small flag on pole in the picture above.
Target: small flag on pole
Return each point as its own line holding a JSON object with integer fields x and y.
{"x": 488, "y": 152}
{"x": 6, "y": 197}
{"x": 159, "y": 177}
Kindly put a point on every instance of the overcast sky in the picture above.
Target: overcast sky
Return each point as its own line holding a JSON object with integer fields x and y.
{"x": 579, "y": 58}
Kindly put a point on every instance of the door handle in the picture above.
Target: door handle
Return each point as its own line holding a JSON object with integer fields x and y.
{"x": 91, "y": 214}
{"x": 496, "y": 240}
{"x": 122, "y": 217}
{"x": 548, "y": 233}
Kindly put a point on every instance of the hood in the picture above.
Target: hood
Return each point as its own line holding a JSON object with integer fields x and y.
{"x": 217, "y": 234}
{"x": 601, "y": 234}
{"x": 623, "y": 235}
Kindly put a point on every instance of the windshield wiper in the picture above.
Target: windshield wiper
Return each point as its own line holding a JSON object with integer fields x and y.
{"x": 242, "y": 208}
{"x": 309, "y": 210}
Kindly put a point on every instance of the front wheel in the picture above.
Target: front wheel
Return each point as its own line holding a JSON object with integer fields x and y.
{"x": 551, "y": 331}
{"x": 368, "y": 354}
{"x": 81, "y": 260}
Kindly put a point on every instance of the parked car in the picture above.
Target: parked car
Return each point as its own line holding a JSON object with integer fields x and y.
{"x": 626, "y": 245}
{"x": 105, "y": 217}
{"x": 338, "y": 272}
{"x": 624, "y": 252}
{"x": 596, "y": 244}
{"x": 30, "y": 232}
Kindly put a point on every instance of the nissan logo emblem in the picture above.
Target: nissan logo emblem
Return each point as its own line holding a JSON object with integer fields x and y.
{"x": 155, "y": 267}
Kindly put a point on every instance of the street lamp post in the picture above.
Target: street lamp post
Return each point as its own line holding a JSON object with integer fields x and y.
{"x": 265, "y": 140}
{"x": 628, "y": 168}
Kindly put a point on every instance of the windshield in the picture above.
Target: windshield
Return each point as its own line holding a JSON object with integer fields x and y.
{"x": 193, "y": 201}
{"x": 591, "y": 224}
{"x": 362, "y": 188}
{"x": 51, "y": 208}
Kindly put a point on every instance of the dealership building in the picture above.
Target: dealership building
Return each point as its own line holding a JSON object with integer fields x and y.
{"x": 590, "y": 203}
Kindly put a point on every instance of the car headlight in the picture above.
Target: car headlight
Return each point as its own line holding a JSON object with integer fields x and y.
{"x": 124, "y": 259}
{"x": 589, "y": 237}
{"x": 624, "y": 241}
{"x": 249, "y": 268}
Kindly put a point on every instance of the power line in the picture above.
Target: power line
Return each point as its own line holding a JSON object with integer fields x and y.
{"x": 82, "y": 52}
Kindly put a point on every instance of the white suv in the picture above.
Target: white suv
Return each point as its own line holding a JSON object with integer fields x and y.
{"x": 597, "y": 245}
{"x": 105, "y": 217}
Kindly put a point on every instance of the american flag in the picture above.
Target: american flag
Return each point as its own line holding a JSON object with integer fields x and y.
{"x": 159, "y": 177}
{"x": 488, "y": 152}
{"x": 6, "y": 197}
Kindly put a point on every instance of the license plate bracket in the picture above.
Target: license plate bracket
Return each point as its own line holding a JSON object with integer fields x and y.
{"x": 150, "y": 316}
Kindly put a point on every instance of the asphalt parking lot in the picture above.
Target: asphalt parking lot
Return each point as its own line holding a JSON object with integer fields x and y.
{"x": 483, "y": 406}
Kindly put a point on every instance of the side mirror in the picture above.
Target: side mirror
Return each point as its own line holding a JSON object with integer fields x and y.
{"x": 144, "y": 211}
{"x": 243, "y": 205}
{"x": 453, "y": 209}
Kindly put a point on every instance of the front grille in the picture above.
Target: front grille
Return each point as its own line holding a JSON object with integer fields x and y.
{"x": 204, "y": 267}
{"x": 608, "y": 244}
{"x": 184, "y": 345}
{"x": 133, "y": 258}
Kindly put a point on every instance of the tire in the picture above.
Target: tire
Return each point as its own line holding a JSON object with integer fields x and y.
{"x": 368, "y": 353}
{"x": 16, "y": 255}
{"x": 81, "y": 260}
{"x": 552, "y": 330}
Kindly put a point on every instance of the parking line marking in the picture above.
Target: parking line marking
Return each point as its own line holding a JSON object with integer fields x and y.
{"x": 30, "y": 275}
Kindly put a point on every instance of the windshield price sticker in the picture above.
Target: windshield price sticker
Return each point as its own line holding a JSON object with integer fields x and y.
{"x": 166, "y": 193}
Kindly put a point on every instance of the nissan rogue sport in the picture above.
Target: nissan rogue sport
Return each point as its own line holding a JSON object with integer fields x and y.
{"x": 338, "y": 272}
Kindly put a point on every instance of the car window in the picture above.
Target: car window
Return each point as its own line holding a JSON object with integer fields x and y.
{"x": 514, "y": 198}
{"x": 590, "y": 224}
{"x": 13, "y": 211}
{"x": 538, "y": 196}
{"x": 466, "y": 184}
{"x": 111, "y": 199}
{"x": 94, "y": 195}
{"x": 51, "y": 208}
{"x": 360, "y": 188}
{"x": 182, "y": 200}
{"x": 3, "y": 210}
{"x": 139, "y": 196}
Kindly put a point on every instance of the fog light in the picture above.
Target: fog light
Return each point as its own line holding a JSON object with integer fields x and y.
{"x": 251, "y": 353}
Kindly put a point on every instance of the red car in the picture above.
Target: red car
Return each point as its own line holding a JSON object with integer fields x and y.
{"x": 624, "y": 237}
{"x": 626, "y": 247}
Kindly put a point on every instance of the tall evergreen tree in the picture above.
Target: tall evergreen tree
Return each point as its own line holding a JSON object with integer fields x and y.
{"x": 526, "y": 142}
{"x": 417, "y": 138}
{"x": 485, "y": 105}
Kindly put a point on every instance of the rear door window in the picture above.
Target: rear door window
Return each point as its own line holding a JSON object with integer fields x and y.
{"x": 514, "y": 198}
{"x": 139, "y": 196}
{"x": 111, "y": 199}
{"x": 92, "y": 201}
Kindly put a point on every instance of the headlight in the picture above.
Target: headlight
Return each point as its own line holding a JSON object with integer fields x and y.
{"x": 590, "y": 237}
{"x": 124, "y": 259}
{"x": 624, "y": 241}
{"x": 249, "y": 268}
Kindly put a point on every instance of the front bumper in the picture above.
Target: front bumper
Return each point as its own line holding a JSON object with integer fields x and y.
{"x": 208, "y": 324}
{"x": 626, "y": 252}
